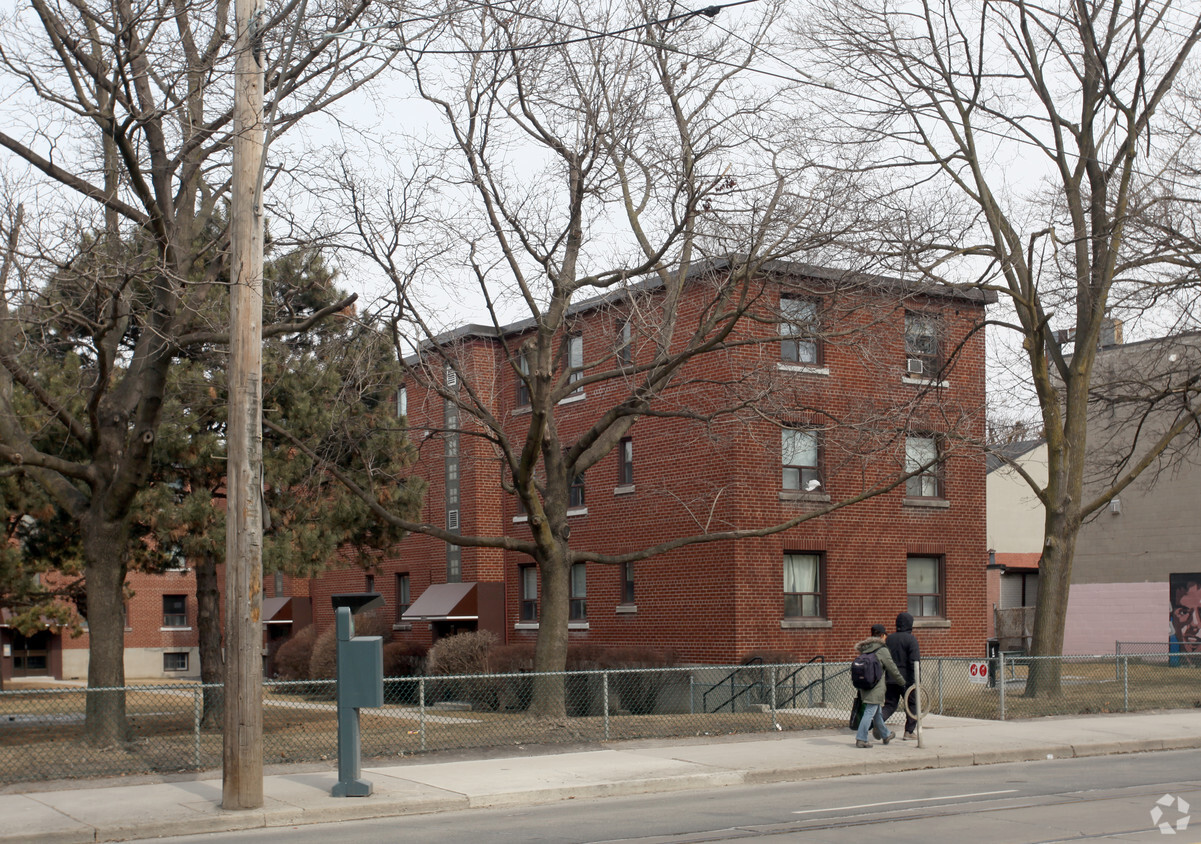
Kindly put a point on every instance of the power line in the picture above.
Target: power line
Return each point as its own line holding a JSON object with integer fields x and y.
{"x": 590, "y": 34}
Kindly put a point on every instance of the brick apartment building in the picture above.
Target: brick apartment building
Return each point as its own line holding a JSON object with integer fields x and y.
{"x": 833, "y": 373}
{"x": 823, "y": 352}
{"x": 161, "y": 630}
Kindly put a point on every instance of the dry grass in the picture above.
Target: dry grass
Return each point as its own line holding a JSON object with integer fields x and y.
{"x": 41, "y": 730}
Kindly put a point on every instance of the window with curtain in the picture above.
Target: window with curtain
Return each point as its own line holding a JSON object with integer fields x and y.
{"x": 803, "y": 586}
{"x": 523, "y": 388}
{"x": 528, "y": 576}
{"x": 575, "y": 358}
{"x": 579, "y": 592}
{"x": 627, "y": 583}
{"x": 625, "y": 462}
{"x": 624, "y": 343}
{"x": 924, "y": 585}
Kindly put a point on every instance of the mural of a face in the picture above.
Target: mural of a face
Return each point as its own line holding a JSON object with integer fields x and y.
{"x": 1186, "y": 611}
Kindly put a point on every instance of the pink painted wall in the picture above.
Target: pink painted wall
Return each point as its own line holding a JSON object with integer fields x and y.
{"x": 1100, "y": 614}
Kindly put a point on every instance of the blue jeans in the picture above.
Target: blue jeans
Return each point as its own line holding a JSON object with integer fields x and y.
{"x": 871, "y": 713}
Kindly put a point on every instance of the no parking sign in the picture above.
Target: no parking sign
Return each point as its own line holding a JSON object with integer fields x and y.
{"x": 977, "y": 672}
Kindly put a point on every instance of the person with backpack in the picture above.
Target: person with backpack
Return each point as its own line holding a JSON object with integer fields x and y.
{"x": 902, "y": 645}
{"x": 868, "y": 672}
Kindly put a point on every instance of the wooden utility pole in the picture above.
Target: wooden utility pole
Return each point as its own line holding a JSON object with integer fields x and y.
{"x": 242, "y": 757}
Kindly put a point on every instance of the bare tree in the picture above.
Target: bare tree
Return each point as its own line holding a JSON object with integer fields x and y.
{"x": 1041, "y": 150}
{"x": 126, "y": 110}
{"x": 615, "y": 164}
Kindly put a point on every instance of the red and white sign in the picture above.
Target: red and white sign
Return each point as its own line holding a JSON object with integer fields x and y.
{"x": 977, "y": 672}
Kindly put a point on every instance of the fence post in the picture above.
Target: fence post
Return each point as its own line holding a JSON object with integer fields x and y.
{"x": 1125, "y": 684}
{"x": 1001, "y": 680}
{"x": 775, "y": 722}
{"x": 917, "y": 701}
{"x": 1117, "y": 653}
{"x": 940, "y": 685}
{"x": 421, "y": 711}
{"x": 197, "y": 714}
{"x": 605, "y": 700}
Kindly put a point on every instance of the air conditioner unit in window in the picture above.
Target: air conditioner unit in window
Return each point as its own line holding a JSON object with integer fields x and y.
{"x": 916, "y": 366}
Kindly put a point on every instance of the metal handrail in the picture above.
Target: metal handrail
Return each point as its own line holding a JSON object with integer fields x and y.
{"x": 733, "y": 695}
{"x": 821, "y": 658}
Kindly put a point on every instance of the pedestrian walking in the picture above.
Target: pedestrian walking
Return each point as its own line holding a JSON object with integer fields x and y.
{"x": 903, "y": 647}
{"x": 868, "y": 673}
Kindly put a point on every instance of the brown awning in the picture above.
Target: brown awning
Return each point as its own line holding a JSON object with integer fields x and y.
{"x": 445, "y": 602}
{"x": 277, "y": 611}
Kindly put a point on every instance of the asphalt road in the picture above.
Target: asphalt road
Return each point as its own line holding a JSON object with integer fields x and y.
{"x": 1108, "y": 798}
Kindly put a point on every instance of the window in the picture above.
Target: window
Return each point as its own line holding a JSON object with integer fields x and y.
{"x": 924, "y": 584}
{"x": 523, "y": 387}
{"x": 922, "y": 345}
{"x": 627, "y": 583}
{"x": 176, "y": 560}
{"x": 923, "y": 451}
{"x": 403, "y": 594}
{"x": 625, "y": 462}
{"x": 175, "y": 661}
{"x": 799, "y": 455}
{"x": 279, "y": 584}
{"x": 803, "y": 586}
{"x": 798, "y": 331}
{"x": 369, "y": 583}
{"x": 175, "y": 611}
{"x": 575, "y": 358}
{"x": 402, "y": 401}
{"x": 575, "y": 495}
{"x": 579, "y": 593}
{"x": 529, "y": 592}
{"x": 624, "y": 343}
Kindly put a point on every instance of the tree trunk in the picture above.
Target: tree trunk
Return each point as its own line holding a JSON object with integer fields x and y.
{"x": 212, "y": 666}
{"x": 104, "y": 546}
{"x": 550, "y": 652}
{"x": 1054, "y": 585}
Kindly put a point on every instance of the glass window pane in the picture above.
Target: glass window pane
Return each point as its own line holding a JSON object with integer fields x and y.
{"x": 799, "y": 447}
{"x": 922, "y": 575}
{"x": 919, "y": 451}
{"x": 579, "y": 581}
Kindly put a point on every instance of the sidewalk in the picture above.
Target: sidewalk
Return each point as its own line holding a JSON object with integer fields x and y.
{"x": 116, "y": 811}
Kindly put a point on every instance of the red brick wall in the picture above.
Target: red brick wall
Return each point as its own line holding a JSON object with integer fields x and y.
{"x": 719, "y": 602}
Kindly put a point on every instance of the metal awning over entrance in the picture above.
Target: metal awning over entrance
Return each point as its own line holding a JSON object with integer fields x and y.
{"x": 277, "y": 611}
{"x": 445, "y": 602}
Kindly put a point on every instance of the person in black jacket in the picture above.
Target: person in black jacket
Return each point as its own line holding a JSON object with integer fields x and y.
{"x": 905, "y": 653}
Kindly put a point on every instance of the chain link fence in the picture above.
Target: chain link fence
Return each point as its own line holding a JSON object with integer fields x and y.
{"x": 177, "y": 728}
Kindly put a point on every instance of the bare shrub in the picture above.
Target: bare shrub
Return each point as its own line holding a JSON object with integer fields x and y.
{"x": 404, "y": 659}
{"x": 293, "y": 657}
{"x": 324, "y": 662}
{"x": 464, "y": 653}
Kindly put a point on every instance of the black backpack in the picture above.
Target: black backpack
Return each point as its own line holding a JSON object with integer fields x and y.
{"x": 866, "y": 671}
